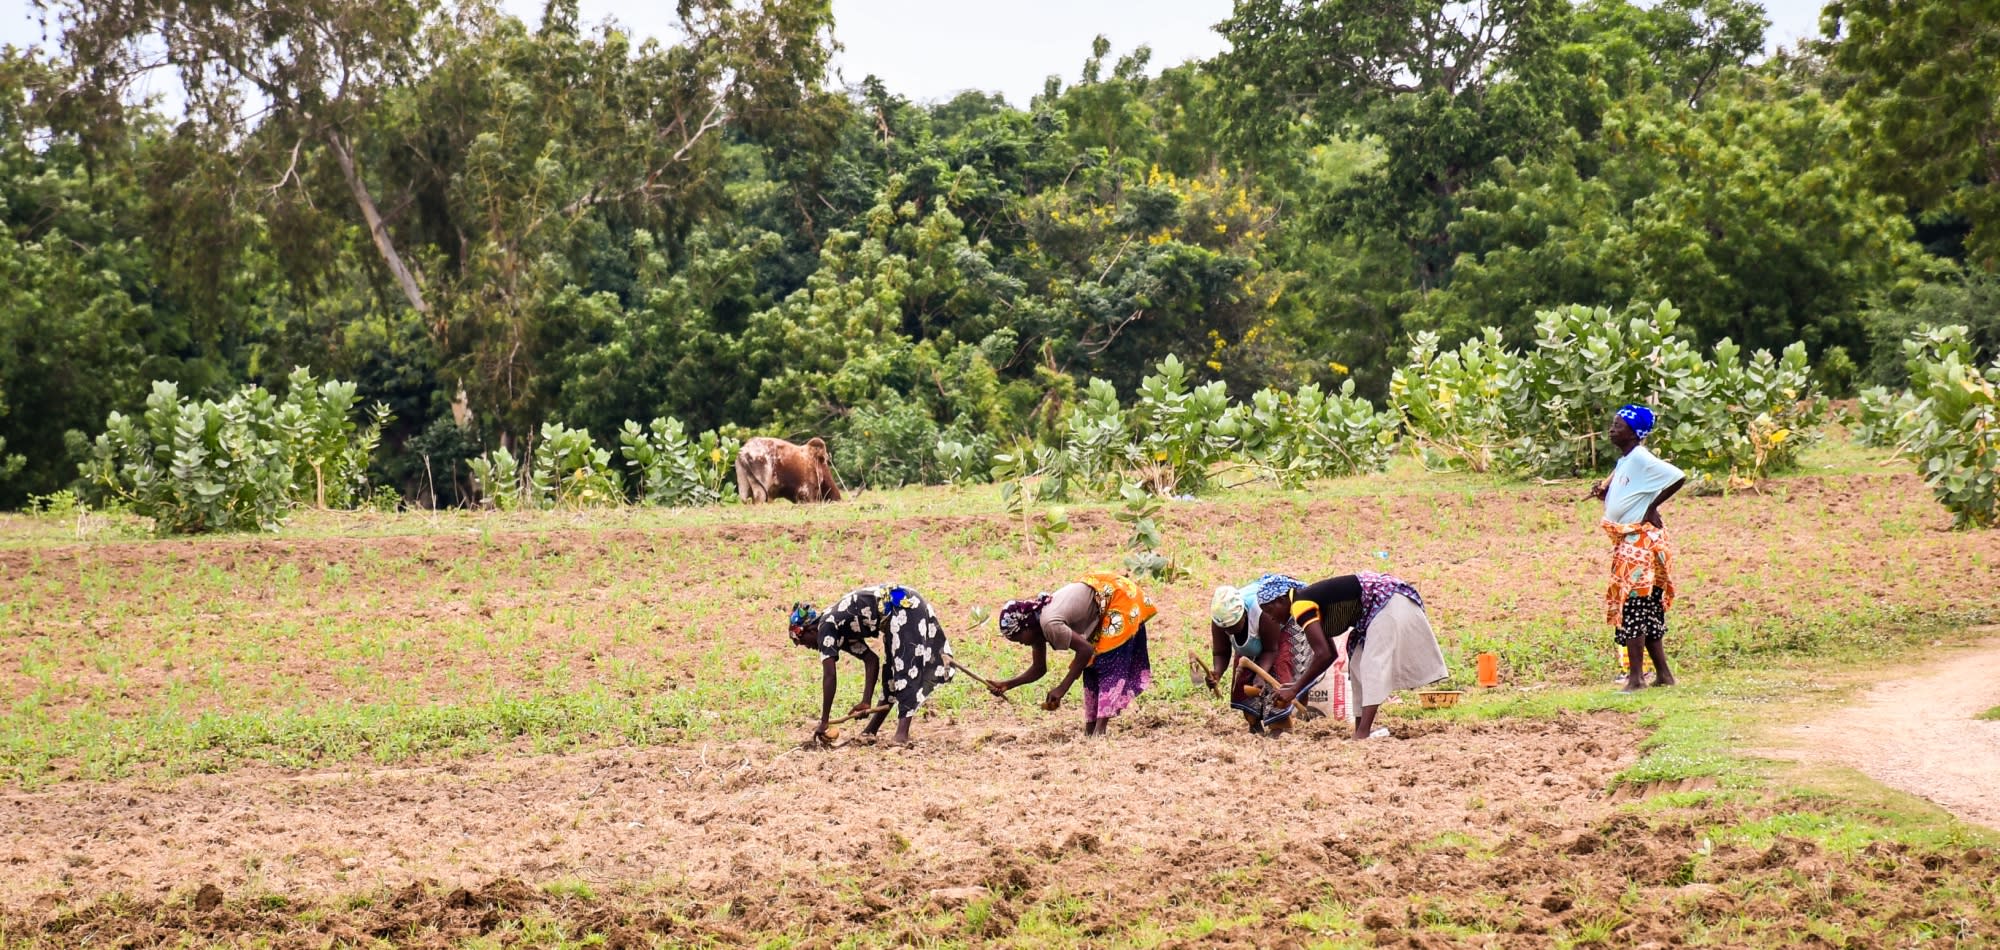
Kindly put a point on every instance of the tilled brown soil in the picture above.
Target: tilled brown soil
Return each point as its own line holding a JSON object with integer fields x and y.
{"x": 713, "y": 815}
{"x": 1472, "y": 834}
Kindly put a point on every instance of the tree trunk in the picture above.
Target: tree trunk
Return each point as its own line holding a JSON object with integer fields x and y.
{"x": 376, "y": 229}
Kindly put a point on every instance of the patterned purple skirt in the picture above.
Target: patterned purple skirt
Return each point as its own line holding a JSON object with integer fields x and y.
{"x": 1116, "y": 678}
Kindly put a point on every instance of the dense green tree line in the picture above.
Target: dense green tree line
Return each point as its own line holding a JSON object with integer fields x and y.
{"x": 488, "y": 224}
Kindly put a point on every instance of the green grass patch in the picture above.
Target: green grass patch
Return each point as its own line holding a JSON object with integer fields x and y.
{"x": 1991, "y": 715}
{"x": 1727, "y": 688}
{"x": 571, "y": 888}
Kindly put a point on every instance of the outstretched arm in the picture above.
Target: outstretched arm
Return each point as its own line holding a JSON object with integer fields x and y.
{"x": 1218, "y": 649}
{"x": 1270, "y": 631}
{"x": 829, "y": 679}
{"x": 1038, "y": 667}
{"x": 1084, "y": 653}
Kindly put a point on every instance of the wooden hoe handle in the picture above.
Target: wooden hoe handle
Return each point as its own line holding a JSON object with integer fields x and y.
{"x": 1270, "y": 681}
{"x": 1208, "y": 677}
{"x": 870, "y": 711}
{"x": 981, "y": 680}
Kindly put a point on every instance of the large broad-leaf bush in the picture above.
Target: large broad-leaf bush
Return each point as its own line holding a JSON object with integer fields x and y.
{"x": 1184, "y": 430}
{"x": 570, "y": 471}
{"x": 964, "y": 462}
{"x": 1485, "y": 406}
{"x": 1948, "y": 423}
{"x": 1883, "y": 412}
{"x": 497, "y": 475}
{"x": 1309, "y": 434}
{"x": 888, "y": 443}
{"x": 1095, "y": 451}
{"x": 238, "y": 464}
{"x": 330, "y": 449}
{"x": 667, "y": 467}
{"x": 1452, "y": 402}
{"x": 1177, "y": 437}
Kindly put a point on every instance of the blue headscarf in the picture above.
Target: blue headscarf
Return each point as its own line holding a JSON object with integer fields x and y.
{"x": 1639, "y": 418}
{"x": 1268, "y": 588}
{"x": 804, "y": 620}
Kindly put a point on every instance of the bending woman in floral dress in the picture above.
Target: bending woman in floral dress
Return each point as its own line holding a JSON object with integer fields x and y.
{"x": 1101, "y": 619}
{"x": 918, "y": 654}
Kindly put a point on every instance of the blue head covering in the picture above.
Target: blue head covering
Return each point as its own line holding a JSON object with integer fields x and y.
{"x": 1268, "y": 588}
{"x": 804, "y": 619}
{"x": 1638, "y": 417}
{"x": 1255, "y": 595}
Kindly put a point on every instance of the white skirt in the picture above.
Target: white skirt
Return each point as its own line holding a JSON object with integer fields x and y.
{"x": 1400, "y": 652}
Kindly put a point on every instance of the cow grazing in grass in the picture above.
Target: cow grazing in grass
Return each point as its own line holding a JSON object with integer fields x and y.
{"x": 769, "y": 469}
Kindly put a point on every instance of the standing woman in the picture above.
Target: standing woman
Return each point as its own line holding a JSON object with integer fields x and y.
{"x": 1101, "y": 619}
{"x": 919, "y": 655}
{"x": 1642, "y": 583}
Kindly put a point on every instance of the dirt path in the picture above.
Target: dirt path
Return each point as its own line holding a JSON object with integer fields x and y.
{"x": 1918, "y": 734}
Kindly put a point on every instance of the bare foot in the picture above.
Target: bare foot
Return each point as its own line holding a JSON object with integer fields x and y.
{"x": 898, "y": 742}
{"x": 1633, "y": 685}
{"x": 1663, "y": 680}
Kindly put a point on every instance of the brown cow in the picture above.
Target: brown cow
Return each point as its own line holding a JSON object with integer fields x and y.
{"x": 768, "y": 469}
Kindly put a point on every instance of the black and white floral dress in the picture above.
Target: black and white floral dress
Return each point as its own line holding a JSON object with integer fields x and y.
{"x": 918, "y": 655}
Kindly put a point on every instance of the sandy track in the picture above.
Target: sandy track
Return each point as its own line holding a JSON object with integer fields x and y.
{"x": 1918, "y": 734}
{"x": 735, "y": 814}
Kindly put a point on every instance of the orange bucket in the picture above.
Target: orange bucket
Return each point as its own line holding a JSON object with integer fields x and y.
{"x": 1489, "y": 669}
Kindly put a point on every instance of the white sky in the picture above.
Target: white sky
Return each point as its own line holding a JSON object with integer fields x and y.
{"x": 933, "y": 49}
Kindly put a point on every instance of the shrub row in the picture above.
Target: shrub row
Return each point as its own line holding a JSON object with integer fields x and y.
{"x": 1483, "y": 406}
{"x": 569, "y": 470}
{"x": 1543, "y": 412}
{"x": 1947, "y": 422}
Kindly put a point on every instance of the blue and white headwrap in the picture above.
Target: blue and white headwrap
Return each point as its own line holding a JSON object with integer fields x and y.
{"x": 1268, "y": 588}
{"x": 1638, "y": 417}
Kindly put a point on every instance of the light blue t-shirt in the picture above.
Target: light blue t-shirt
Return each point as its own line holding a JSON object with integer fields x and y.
{"x": 1639, "y": 478}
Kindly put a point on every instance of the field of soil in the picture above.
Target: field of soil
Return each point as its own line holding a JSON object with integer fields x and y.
{"x": 493, "y": 730}
{"x": 1496, "y": 834}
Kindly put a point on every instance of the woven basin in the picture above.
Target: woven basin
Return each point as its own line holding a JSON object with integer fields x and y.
{"x": 1440, "y": 698}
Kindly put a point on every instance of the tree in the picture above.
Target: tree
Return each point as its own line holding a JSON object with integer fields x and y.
{"x": 492, "y": 168}
{"x": 1446, "y": 88}
{"x": 1748, "y": 213}
{"x": 1685, "y": 46}
{"x": 85, "y": 322}
{"x": 299, "y": 71}
{"x": 1923, "y": 78}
